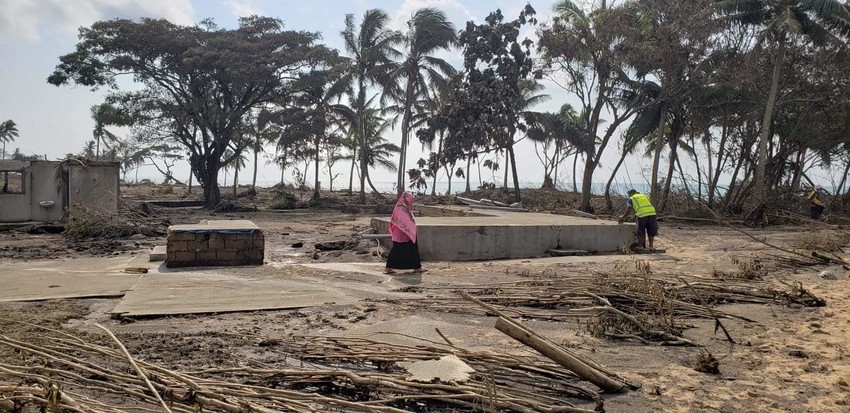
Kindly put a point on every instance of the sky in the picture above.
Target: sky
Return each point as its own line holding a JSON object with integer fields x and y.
{"x": 54, "y": 121}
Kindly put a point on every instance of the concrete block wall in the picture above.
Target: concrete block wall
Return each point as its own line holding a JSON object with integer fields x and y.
{"x": 214, "y": 248}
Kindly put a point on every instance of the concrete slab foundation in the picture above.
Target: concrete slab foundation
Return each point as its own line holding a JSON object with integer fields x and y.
{"x": 175, "y": 293}
{"x": 215, "y": 243}
{"x": 461, "y": 234}
{"x": 79, "y": 278}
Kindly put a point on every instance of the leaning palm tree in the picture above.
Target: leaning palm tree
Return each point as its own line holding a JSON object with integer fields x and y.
{"x": 372, "y": 50}
{"x": 103, "y": 115}
{"x": 414, "y": 78}
{"x": 8, "y": 133}
{"x": 782, "y": 21}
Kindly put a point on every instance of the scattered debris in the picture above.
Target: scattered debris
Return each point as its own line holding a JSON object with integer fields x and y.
{"x": 297, "y": 245}
{"x": 88, "y": 224}
{"x": 230, "y": 206}
{"x": 707, "y": 363}
{"x": 827, "y": 275}
{"x": 336, "y": 245}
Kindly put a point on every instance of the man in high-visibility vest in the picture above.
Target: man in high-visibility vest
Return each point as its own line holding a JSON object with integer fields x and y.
{"x": 646, "y": 222}
{"x": 816, "y": 205}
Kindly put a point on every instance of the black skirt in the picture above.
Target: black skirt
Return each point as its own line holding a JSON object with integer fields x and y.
{"x": 404, "y": 256}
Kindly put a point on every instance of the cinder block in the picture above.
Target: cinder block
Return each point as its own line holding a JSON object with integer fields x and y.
{"x": 206, "y": 256}
{"x": 177, "y": 246}
{"x": 181, "y": 236}
{"x": 234, "y": 244}
{"x": 226, "y": 255}
{"x": 197, "y": 245}
{"x": 215, "y": 243}
{"x": 185, "y": 256}
{"x": 257, "y": 244}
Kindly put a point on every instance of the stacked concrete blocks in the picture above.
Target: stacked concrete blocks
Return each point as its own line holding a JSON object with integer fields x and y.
{"x": 215, "y": 243}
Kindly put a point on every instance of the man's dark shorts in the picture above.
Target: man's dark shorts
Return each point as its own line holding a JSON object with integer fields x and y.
{"x": 816, "y": 211}
{"x": 647, "y": 225}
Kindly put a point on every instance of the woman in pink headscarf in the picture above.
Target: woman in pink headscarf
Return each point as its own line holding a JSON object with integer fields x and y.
{"x": 405, "y": 253}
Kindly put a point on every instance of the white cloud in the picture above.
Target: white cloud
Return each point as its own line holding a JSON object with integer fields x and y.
{"x": 456, "y": 12}
{"x": 28, "y": 20}
{"x": 241, "y": 8}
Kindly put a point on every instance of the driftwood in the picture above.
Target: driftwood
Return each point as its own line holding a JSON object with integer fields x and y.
{"x": 531, "y": 339}
{"x": 584, "y": 369}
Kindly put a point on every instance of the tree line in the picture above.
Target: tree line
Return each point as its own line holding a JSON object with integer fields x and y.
{"x": 752, "y": 89}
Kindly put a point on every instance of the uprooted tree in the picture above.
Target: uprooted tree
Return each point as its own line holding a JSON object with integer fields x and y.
{"x": 204, "y": 77}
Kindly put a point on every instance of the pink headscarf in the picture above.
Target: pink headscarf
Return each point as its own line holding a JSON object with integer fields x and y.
{"x": 402, "y": 225}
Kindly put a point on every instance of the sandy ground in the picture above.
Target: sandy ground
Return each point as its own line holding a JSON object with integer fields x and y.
{"x": 788, "y": 360}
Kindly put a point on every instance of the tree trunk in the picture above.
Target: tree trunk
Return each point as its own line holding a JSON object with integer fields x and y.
{"x": 587, "y": 184}
{"x": 351, "y": 173}
{"x": 468, "y": 165}
{"x": 670, "y": 169}
{"x": 798, "y": 171}
{"x": 316, "y": 193}
{"x": 209, "y": 173}
{"x": 767, "y": 124}
{"x": 699, "y": 169}
{"x": 437, "y": 166}
{"x": 575, "y": 179}
{"x": 190, "y": 181}
{"x": 517, "y": 192}
{"x": 236, "y": 178}
{"x": 364, "y": 172}
{"x": 371, "y": 185}
{"x": 656, "y": 159}
{"x": 840, "y": 189}
{"x": 608, "y": 202}
{"x": 405, "y": 133}
{"x": 256, "y": 167}
{"x": 449, "y": 175}
{"x": 97, "y": 150}
{"x": 712, "y": 189}
{"x": 507, "y": 168}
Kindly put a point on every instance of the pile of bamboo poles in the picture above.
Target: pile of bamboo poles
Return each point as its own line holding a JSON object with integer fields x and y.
{"x": 625, "y": 304}
{"x": 67, "y": 373}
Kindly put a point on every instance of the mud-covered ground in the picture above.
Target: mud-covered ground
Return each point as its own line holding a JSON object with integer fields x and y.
{"x": 789, "y": 359}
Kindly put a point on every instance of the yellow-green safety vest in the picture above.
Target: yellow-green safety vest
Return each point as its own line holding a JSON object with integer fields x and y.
{"x": 642, "y": 206}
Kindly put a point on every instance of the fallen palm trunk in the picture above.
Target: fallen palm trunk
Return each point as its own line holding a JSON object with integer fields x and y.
{"x": 585, "y": 369}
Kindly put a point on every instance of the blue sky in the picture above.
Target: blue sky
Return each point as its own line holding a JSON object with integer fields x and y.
{"x": 55, "y": 121}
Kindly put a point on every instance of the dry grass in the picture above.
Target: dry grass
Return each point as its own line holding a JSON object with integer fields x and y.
{"x": 827, "y": 241}
{"x": 748, "y": 269}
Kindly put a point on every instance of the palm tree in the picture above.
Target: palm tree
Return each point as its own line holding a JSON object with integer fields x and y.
{"x": 236, "y": 163}
{"x": 105, "y": 114}
{"x": 8, "y": 133}
{"x": 529, "y": 97}
{"x": 412, "y": 79}
{"x": 819, "y": 21}
{"x": 366, "y": 127}
{"x": 372, "y": 49}
{"x": 559, "y": 133}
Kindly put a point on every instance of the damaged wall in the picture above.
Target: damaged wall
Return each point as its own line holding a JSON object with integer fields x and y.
{"x": 42, "y": 190}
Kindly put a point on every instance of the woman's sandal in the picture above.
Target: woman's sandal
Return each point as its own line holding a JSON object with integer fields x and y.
{"x": 419, "y": 271}
{"x": 389, "y": 272}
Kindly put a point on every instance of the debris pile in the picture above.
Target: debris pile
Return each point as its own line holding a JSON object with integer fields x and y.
{"x": 86, "y": 224}
{"x": 627, "y": 303}
{"x": 65, "y": 372}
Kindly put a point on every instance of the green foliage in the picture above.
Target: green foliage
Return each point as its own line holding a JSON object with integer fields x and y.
{"x": 204, "y": 78}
